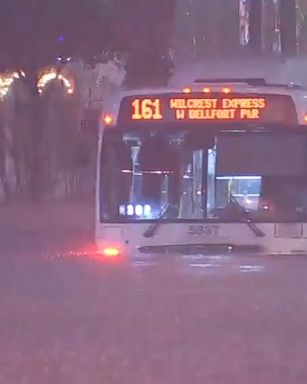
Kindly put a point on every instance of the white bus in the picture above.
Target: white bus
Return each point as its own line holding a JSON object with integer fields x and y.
{"x": 220, "y": 165}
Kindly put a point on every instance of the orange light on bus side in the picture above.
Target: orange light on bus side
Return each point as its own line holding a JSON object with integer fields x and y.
{"x": 108, "y": 119}
{"x": 207, "y": 90}
{"x": 305, "y": 118}
{"x": 226, "y": 90}
{"x": 110, "y": 252}
{"x": 187, "y": 90}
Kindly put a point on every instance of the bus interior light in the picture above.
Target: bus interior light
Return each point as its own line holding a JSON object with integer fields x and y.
{"x": 207, "y": 90}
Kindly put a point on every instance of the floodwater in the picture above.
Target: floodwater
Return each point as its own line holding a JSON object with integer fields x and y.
{"x": 219, "y": 319}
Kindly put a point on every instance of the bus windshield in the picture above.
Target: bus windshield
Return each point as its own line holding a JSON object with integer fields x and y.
{"x": 186, "y": 174}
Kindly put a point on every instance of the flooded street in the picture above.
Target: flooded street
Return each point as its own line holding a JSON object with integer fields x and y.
{"x": 186, "y": 319}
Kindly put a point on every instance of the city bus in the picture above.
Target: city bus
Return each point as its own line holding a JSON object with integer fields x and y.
{"x": 219, "y": 165}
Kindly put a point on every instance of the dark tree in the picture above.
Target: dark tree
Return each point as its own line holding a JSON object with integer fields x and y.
{"x": 148, "y": 27}
{"x": 255, "y": 25}
{"x": 288, "y": 24}
{"x": 34, "y": 34}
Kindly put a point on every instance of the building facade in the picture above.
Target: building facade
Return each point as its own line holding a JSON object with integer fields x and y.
{"x": 229, "y": 27}
{"x": 207, "y": 27}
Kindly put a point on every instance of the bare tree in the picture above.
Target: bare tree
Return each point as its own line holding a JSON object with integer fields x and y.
{"x": 33, "y": 35}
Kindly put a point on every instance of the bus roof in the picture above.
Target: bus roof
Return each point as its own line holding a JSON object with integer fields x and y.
{"x": 274, "y": 70}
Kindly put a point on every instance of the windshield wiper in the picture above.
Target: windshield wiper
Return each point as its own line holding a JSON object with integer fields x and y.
{"x": 151, "y": 230}
{"x": 252, "y": 226}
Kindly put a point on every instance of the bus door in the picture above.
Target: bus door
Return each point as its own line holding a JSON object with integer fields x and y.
{"x": 116, "y": 174}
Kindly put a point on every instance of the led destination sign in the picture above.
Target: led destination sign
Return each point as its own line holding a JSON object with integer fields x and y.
{"x": 218, "y": 109}
{"x": 196, "y": 107}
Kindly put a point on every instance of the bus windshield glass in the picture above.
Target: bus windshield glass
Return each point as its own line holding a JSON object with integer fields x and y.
{"x": 179, "y": 173}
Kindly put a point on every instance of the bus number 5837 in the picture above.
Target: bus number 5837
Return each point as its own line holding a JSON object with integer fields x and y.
{"x": 203, "y": 230}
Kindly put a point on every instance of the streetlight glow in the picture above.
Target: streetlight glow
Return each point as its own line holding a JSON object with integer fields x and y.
{"x": 50, "y": 75}
{"x": 6, "y": 80}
